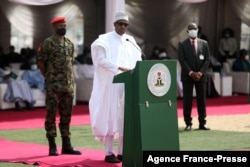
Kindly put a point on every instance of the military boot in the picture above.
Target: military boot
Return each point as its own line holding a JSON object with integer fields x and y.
{"x": 52, "y": 147}
{"x": 67, "y": 147}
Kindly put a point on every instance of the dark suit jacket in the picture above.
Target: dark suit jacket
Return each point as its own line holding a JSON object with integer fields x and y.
{"x": 190, "y": 62}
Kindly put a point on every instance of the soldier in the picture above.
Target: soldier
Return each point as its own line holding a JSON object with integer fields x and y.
{"x": 55, "y": 60}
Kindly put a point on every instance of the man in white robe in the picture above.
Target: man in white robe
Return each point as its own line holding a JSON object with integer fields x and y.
{"x": 17, "y": 91}
{"x": 112, "y": 53}
{"x": 34, "y": 77}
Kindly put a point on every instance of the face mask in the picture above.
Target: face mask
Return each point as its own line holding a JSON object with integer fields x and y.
{"x": 193, "y": 33}
{"x": 33, "y": 67}
{"x": 227, "y": 35}
{"x": 156, "y": 52}
{"x": 246, "y": 57}
{"x": 163, "y": 55}
{"x": 61, "y": 31}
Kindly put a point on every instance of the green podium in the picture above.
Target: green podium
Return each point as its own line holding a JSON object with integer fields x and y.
{"x": 150, "y": 116}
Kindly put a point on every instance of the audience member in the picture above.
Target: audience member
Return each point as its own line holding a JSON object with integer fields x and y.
{"x": 210, "y": 88}
{"x": 3, "y": 62}
{"x": 242, "y": 62}
{"x": 81, "y": 59}
{"x": 17, "y": 90}
{"x": 86, "y": 70}
{"x": 26, "y": 63}
{"x": 163, "y": 54}
{"x": 215, "y": 64}
{"x": 201, "y": 35}
{"x": 227, "y": 45}
{"x": 13, "y": 56}
{"x": 28, "y": 56}
{"x": 155, "y": 53}
{"x": 34, "y": 77}
{"x": 23, "y": 54}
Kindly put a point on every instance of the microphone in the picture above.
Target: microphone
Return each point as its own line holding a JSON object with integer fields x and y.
{"x": 143, "y": 57}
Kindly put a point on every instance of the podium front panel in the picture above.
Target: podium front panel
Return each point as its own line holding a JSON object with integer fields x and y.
{"x": 170, "y": 81}
{"x": 150, "y": 118}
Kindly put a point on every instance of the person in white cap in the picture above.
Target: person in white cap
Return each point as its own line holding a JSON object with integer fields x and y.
{"x": 112, "y": 53}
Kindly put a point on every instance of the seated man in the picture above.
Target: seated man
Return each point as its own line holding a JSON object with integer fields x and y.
{"x": 34, "y": 77}
{"x": 17, "y": 90}
{"x": 242, "y": 63}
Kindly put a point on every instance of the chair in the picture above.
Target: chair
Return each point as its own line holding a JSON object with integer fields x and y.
{"x": 240, "y": 80}
{"x": 83, "y": 86}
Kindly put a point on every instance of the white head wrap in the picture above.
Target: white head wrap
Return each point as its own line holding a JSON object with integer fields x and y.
{"x": 121, "y": 16}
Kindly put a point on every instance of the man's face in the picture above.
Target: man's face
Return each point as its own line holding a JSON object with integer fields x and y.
{"x": 60, "y": 29}
{"x": 192, "y": 26}
{"x": 192, "y": 30}
{"x": 60, "y": 25}
{"x": 121, "y": 26}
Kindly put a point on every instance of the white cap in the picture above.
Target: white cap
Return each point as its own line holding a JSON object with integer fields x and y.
{"x": 121, "y": 16}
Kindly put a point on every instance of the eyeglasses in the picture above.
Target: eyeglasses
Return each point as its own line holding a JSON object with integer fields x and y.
{"x": 122, "y": 24}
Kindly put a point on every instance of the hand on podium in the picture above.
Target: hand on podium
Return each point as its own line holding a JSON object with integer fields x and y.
{"x": 124, "y": 69}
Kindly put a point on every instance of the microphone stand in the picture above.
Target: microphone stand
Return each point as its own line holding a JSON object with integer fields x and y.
{"x": 143, "y": 57}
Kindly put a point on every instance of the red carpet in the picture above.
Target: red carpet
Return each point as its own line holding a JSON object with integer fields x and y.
{"x": 229, "y": 105}
{"x": 28, "y": 153}
{"x": 10, "y": 119}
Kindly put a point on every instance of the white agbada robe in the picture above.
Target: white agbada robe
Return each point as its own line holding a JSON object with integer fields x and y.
{"x": 106, "y": 103}
{"x": 17, "y": 90}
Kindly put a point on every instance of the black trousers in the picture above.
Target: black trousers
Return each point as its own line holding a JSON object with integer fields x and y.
{"x": 200, "y": 87}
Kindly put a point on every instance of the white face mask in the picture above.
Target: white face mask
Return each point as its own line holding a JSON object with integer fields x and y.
{"x": 162, "y": 55}
{"x": 33, "y": 67}
{"x": 193, "y": 33}
{"x": 247, "y": 57}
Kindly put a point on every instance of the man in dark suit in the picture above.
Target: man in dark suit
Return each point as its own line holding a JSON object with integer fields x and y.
{"x": 194, "y": 57}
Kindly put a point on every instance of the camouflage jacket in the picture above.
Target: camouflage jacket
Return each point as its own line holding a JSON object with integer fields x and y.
{"x": 58, "y": 60}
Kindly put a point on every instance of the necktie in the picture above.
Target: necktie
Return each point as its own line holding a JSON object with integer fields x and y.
{"x": 193, "y": 45}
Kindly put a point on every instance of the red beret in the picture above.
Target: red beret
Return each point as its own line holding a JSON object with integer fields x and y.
{"x": 58, "y": 20}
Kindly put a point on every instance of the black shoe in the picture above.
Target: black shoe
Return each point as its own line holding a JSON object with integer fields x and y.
{"x": 67, "y": 147}
{"x": 188, "y": 128}
{"x": 203, "y": 127}
{"x": 53, "y": 152}
{"x": 119, "y": 157}
{"x": 71, "y": 151}
{"x": 52, "y": 147}
{"x": 111, "y": 159}
{"x": 29, "y": 106}
{"x": 18, "y": 107}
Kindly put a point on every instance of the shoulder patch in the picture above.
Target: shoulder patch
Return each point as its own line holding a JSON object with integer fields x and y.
{"x": 39, "y": 48}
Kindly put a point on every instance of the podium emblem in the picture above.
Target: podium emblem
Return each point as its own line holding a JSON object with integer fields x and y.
{"x": 159, "y": 79}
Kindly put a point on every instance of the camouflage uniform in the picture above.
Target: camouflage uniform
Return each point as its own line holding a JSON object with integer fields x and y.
{"x": 59, "y": 83}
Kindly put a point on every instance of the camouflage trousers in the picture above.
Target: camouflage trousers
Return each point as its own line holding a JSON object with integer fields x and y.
{"x": 63, "y": 102}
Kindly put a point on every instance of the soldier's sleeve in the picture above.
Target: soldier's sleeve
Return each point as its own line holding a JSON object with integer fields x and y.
{"x": 42, "y": 53}
{"x": 42, "y": 56}
{"x": 73, "y": 50}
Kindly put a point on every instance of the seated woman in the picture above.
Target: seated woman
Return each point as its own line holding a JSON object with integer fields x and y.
{"x": 242, "y": 63}
{"x": 17, "y": 91}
